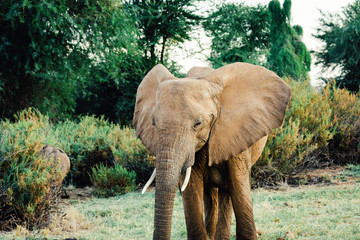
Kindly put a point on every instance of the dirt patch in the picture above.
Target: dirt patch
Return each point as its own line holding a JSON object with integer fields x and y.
{"x": 70, "y": 194}
{"x": 326, "y": 176}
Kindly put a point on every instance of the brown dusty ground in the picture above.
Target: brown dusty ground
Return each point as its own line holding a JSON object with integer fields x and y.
{"x": 330, "y": 175}
{"x": 334, "y": 175}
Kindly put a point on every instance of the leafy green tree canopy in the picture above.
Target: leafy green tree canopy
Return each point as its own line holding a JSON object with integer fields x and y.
{"x": 239, "y": 33}
{"x": 288, "y": 55}
{"x": 51, "y": 51}
{"x": 260, "y": 35}
{"x": 162, "y": 23}
{"x": 341, "y": 36}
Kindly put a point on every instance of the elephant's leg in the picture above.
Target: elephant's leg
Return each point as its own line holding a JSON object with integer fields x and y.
{"x": 239, "y": 184}
{"x": 211, "y": 210}
{"x": 224, "y": 216}
{"x": 193, "y": 206}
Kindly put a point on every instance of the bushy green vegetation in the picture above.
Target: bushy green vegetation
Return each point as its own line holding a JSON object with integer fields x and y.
{"x": 91, "y": 141}
{"x": 320, "y": 125}
{"x": 112, "y": 181}
{"x": 29, "y": 183}
{"x": 88, "y": 141}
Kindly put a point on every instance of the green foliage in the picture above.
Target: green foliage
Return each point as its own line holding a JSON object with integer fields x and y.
{"x": 88, "y": 142}
{"x": 317, "y": 123}
{"x": 112, "y": 181}
{"x": 92, "y": 141}
{"x": 288, "y": 56}
{"x": 53, "y": 51}
{"x": 345, "y": 115}
{"x": 239, "y": 33}
{"x": 162, "y": 23}
{"x": 341, "y": 36}
{"x": 259, "y": 35}
{"x": 112, "y": 84}
{"x": 28, "y": 183}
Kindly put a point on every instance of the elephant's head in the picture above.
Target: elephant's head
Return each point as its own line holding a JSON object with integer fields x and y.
{"x": 229, "y": 109}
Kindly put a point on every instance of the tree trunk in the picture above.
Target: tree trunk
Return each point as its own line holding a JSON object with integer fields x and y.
{"x": 163, "y": 50}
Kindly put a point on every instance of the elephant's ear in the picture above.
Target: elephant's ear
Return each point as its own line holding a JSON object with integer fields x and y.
{"x": 198, "y": 72}
{"x": 145, "y": 102}
{"x": 252, "y": 102}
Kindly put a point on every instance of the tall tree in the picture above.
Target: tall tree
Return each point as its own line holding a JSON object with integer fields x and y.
{"x": 161, "y": 24}
{"x": 51, "y": 50}
{"x": 259, "y": 35}
{"x": 288, "y": 55}
{"x": 341, "y": 35}
{"x": 238, "y": 33}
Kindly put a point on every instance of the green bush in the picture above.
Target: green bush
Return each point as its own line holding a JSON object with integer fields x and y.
{"x": 319, "y": 124}
{"x": 112, "y": 181}
{"x": 92, "y": 141}
{"x": 29, "y": 184}
{"x": 89, "y": 141}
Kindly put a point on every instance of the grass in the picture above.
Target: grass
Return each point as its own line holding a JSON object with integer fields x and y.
{"x": 311, "y": 212}
{"x": 352, "y": 171}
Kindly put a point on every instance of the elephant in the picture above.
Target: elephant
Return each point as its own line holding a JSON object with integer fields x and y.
{"x": 49, "y": 152}
{"x": 206, "y": 131}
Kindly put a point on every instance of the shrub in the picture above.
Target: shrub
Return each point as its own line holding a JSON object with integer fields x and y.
{"x": 112, "y": 181}
{"x": 28, "y": 183}
{"x": 313, "y": 120}
{"x": 93, "y": 141}
{"x": 345, "y": 146}
{"x": 88, "y": 141}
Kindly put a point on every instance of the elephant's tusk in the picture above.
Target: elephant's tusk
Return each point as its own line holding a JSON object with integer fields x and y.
{"x": 187, "y": 178}
{"x": 151, "y": 179}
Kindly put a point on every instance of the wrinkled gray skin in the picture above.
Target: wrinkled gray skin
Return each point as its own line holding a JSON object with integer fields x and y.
{"x": 217, "y": 122}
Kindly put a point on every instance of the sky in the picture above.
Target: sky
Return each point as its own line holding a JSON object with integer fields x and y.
{"x": 303, "y": 12}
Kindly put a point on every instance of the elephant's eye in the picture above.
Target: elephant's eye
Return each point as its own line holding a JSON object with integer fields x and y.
{"x": 197, "y": 124}
{"x": 153, "y": 122}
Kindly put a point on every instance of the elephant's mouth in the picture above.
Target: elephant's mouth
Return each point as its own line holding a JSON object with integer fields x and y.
{"x": 153, "y": 175}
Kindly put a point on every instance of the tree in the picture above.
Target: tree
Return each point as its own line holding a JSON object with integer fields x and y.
{"x": 238, "y": 33}
{"x": 341, "y": 35}
{"x": 111, "y": 90}
{"x": 162, "y": 23}
{"x": 259, "y": 35}
{"x": 288, "y": 55}
{"x": 52, "y": 51}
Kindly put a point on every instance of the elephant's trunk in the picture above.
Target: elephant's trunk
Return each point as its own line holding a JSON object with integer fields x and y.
{"x": 171, "y": 160}
{"x": 164, "y": 204}
{"x": 166, "y": 182}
